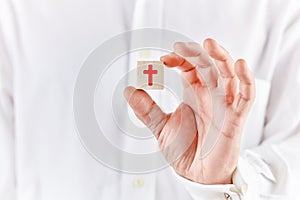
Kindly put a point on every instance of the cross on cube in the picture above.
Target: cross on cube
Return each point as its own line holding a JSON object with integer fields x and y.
{"x": 150, "y": 75}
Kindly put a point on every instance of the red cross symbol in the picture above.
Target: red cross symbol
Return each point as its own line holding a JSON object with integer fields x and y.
{"x": 150, "y": 73}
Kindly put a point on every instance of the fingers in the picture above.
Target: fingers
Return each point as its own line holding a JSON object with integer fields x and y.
{"x": 225, "y": 66}
{"x": 222, "y": 57}
{"x": 146, "y": 109}
{"x": 198, "y": 57}
{"x": 229, "y": 142}
{"x": 246, "y": 84}
{"x": 229, "y": 70}
{"x": 190, "y": 58}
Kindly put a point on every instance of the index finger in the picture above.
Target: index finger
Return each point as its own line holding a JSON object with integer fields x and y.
{"x": 189, "y": 71}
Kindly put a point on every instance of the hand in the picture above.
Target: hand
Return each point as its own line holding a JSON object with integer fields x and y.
{"x": 181, "y": 134}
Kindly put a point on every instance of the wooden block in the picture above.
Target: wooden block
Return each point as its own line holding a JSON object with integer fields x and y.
{"x": 150, "y": 75}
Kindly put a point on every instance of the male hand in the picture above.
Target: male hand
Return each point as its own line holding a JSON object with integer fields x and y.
{"x": 181, "y": 134}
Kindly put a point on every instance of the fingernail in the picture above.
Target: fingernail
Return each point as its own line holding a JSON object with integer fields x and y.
{"x": 128, "y": 91}
{"x": 163, "y": 58}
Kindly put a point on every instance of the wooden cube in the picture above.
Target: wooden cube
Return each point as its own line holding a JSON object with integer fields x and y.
{"x": 150, "y": 75}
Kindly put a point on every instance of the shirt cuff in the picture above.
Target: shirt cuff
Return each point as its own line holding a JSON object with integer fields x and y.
{"x": 244, "y": 186}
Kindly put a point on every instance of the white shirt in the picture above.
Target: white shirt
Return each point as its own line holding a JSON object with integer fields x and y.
{"x": 42, "y": 47}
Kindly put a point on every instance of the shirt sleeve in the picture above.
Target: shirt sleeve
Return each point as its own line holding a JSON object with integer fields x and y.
{"x": 244, "y": 185}
{"x": 7, "y": 166}
{"x": 270, "y": 170}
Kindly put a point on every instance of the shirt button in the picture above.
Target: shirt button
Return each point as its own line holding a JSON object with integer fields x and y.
{"x": 138, "y": 182}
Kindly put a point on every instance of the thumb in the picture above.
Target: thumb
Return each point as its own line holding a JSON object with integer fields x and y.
{"x": 146, "y": 109}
